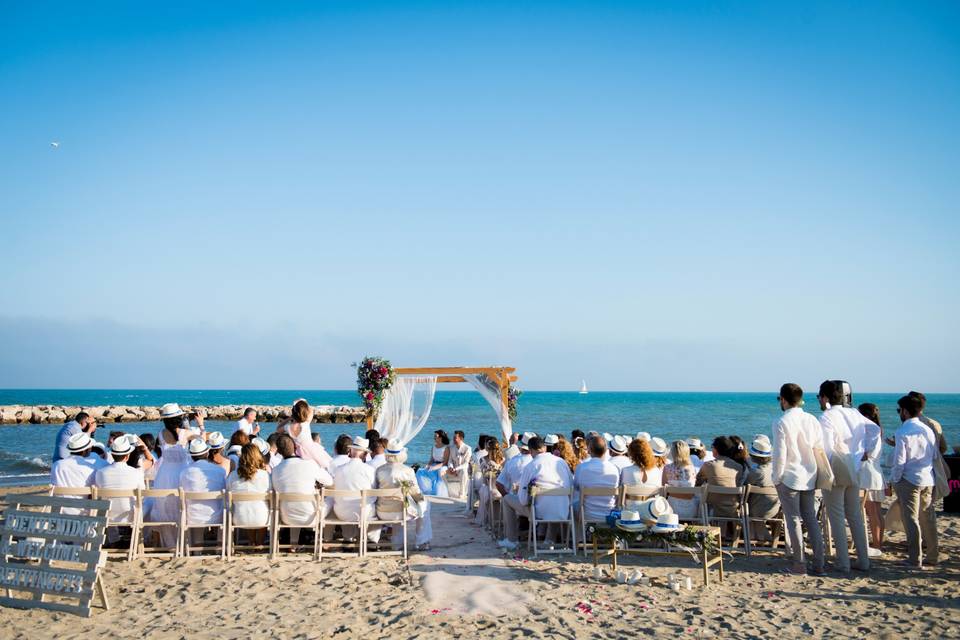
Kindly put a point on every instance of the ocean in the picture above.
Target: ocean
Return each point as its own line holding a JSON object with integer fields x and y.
{"x": 25, "y": 450}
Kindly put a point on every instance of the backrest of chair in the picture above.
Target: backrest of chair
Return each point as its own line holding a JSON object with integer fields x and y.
{"x": 599, "y": 491}
{"x": 159, "y": 493}
{"x": 713, "y": 490}
{"x": 106, "y": 494}
{"x": 243, "y": 496}
{"x": 343, "y": 493}
{"x": 395, "y": 492}
{"x": 761, "y": 491}
{"x": 297, "y": 497}
{"x": 685, "y": 492}
{"x": 629, "y": 491}
{"x": 537, "y": 492}
{"x": 187, "y": 496}
{"x": 84, "y": 492}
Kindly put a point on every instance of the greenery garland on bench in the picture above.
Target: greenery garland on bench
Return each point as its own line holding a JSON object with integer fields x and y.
{"x": 691, "y": 539}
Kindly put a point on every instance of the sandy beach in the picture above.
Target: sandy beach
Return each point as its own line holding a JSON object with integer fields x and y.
{"x": 465, "y": 586}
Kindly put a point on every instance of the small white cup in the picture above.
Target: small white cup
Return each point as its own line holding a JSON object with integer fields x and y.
{"x": 598, "y": 573}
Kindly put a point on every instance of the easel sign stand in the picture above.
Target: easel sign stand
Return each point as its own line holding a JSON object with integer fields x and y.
{"x": 50, "y": 555}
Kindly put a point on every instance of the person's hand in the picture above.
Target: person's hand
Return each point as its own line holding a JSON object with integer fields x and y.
{"x": 200, "y": 421}
{"x": 256, "y": 428}
{"x": 865, "y": 457}
{"x": 891, "y": 442}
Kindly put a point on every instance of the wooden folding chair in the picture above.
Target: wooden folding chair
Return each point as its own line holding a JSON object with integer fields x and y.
{"x": 279, "y": 500}
{"x": 136, "y": 517}
{"x": 779, "y": 529}
{"x": 740, "y": 520}
{"x": 536, "y": 492}
{"x": 234, "y": 498}
{"x": 393, "y": 494}
{"x": 359, "y": 523}
{"x": 610, "y": 492}
{"x": 635, "y": 492}
{"x": 690, "y": 493}
{"x": 186, "y": 497}
{"x": 494, "y": 513}
{"x": 141, "y": 541}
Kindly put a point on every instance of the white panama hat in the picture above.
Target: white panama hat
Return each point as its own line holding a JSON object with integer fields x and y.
{"x": 262, "y": 445}
{"x": 198, "y": 447}
{"x": 551, "y": 439}
{"x": 512, "y": 452}
{"x": 122, "y": 445}
{"x": 360, "y": 443}
{"x": 652, "y": 508}
{"x": 79, "y": 442}
{"x": 667, "y": 522}
{"x": 394, "y": 448}
{"x": 608, "y": 437}
{"x": 215, "y": 440}
{"x": 659, "y": 446}
{"x": 643, "y": 436}
{"x": 761, "y": 447}
{"x": 171, "y": 410}
{"x": 618, "y": 444}
{"x": 694, "y": 443}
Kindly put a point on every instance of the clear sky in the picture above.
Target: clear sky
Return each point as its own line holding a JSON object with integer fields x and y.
{"x": 682, "y": 196}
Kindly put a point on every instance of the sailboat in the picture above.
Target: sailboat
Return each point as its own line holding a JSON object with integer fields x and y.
{"x": 583, "y": 388}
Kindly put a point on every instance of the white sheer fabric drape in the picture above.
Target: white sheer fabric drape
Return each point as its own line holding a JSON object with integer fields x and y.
{"x": 492, "y": 395}
{"x": 405, "y": 408}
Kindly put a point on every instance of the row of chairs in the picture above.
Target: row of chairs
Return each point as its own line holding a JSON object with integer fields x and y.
{"x": 227, "y": 528}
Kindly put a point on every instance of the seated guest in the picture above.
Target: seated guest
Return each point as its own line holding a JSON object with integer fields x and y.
{"x": 77, "y": 470}
{"x": 393, "y": 473}
{"x": 440, "y": 454}
{"x": 545, "y": 471}
{"x": 913, "y": 480}
{"x": 217, "y": 444}
{"x": 681, "y": 473}
{"x": 264, "y": 450}
{"x": 760, "y": 474}
{"x": 275, "y": 457}
{"x": 142, "y": 457}
{"x": 377, "y": 456}
{"x": 580, "y": 448}
{"x": 596, "y": 472}
{"x": 354, "y": 475}
{"x": 723, "y": 471}
{"x": 120, "y": 476}
{"x": 698, "y": 453}
{"x": 201, "y": 476}
{"x": 660, "y": 451}
{"x": 237, "y": 440}
{"x": 457, "y": 463}
{"x": 481, "y": 449}
{"x": 371, "y": 435}
{"x": 739, "y": 452}
{"x": 299, "y": 429}
{"x": 251, "y": 476}
{"x": 644, "y": 471}
{"x": 248, "y": 422}
{"x": 297, "y": 475}
{"x": 564, "y": 450}
{"x": 551, "y": 440}
{"x": 508, "y": 483}
{"x": 490, "y": 465}
{"x": 618, "y": 453}
{"x": 341, "y": 452}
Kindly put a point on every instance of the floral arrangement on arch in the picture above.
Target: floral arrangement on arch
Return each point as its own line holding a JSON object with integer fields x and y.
{"x": 513, "y": 394}
{"x": 374, "y": 376}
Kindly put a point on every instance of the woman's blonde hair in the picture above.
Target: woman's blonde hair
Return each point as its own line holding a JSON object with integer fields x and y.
{"x": 250, "y": 462}
{"x": 681, "y": 453}
{"x": 494, "y": 451}
{"x": 580, "y": 449}
{"x": 642, "y": 454}
{"x": 565, "y": 451}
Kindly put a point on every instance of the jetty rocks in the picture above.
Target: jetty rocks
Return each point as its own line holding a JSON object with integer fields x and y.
{"x": 52, "y": 414}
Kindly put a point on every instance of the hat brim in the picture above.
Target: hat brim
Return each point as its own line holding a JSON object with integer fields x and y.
{"x": 761, "y": 454}
{"x": 166, "y": 416}
{"x": 359, "y": 448}
{"x": 121, "y": 453}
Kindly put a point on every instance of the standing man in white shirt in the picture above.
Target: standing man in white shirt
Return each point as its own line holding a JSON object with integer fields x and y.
{"x": 202, "y": 476}
{"x": 508, "y": 483}
{"x": 795, "y": 435}
{"x": 355, "y": 475}
{"x": 618, "y": 453}
{"x": 121, "y": 476}
{"x": 912, "y": 478}
{"x": 845, "y": 432}
{"x": 298, "y": 475}
{"x": 596, "y": 472}
{"x": 248, "y": 423}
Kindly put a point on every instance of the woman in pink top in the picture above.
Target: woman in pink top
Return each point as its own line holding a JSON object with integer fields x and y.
{"x": 299, "y": 430}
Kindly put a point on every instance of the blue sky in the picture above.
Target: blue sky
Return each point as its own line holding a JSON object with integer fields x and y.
{"x": 684, "y": 196}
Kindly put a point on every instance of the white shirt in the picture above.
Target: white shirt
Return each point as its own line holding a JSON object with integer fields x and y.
{"x": 620, "y": 462}
{"x": 203, "y": 475}
{"x": 389, "y": 476}
{"x": 76, "y": 472}
{"x": 244, "y": 426}
{"x": 632, "y": 476}
{"x": 275, "y": 459}
{"x": 120, "y": 475}
{"x": 296, "y": 475}
{"x": 597, "y": 472}
{"x": 913, "y": 454}
{"x": 845, "y": 433}
{"x": 459, "y": 457}
{"x": 377, "y": 461}
{"x": 250, "y": 514}
{"x": 338, "y": 460}
{"x": 354, "y": 475}
{"x": 547, "y": 471}
{"x": 510, "y": 474}
{"x": 795, "y": 435}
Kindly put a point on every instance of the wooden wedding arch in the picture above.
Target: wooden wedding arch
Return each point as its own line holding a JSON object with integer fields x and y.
{"x": 501, "y": 376}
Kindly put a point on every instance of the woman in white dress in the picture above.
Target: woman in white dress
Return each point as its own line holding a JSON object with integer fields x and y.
{"x": 644, "y": 471}
{"x": 492, "y": 463}
{"x": 174, "y": 458}
{"x": 251, "y": 476}
{"x": 299, "y": 430}
{"x": 681, "y": 473}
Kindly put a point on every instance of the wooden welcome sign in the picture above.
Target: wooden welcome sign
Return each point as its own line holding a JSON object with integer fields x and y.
{"x": 50, "y": 555}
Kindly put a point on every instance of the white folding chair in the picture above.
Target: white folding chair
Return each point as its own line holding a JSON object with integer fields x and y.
{"x": 567, "y": 522}
{"x": 726, "y": 493}
{"x": 634, "y": 492}
{"x": 134, "y": 520}
{"x": 235, "y": 498}
{"x": 697, "y": 494}
{"x": 359, "y": 523}
{"x": 186, "y": 497}
{"x": 608, "y": 492}
{"x": 279, "y": 500}
{"x": 494, "y": 513}
{"x": 779, "y": 529}
{"x": 389, "y": 494}
{"x": 159, "y": 551}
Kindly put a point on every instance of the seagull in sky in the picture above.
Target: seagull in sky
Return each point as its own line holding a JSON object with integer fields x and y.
{"x": 55, "y": 145}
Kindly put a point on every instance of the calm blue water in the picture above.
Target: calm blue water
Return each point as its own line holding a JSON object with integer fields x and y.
{"x": 25, "y": 450}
